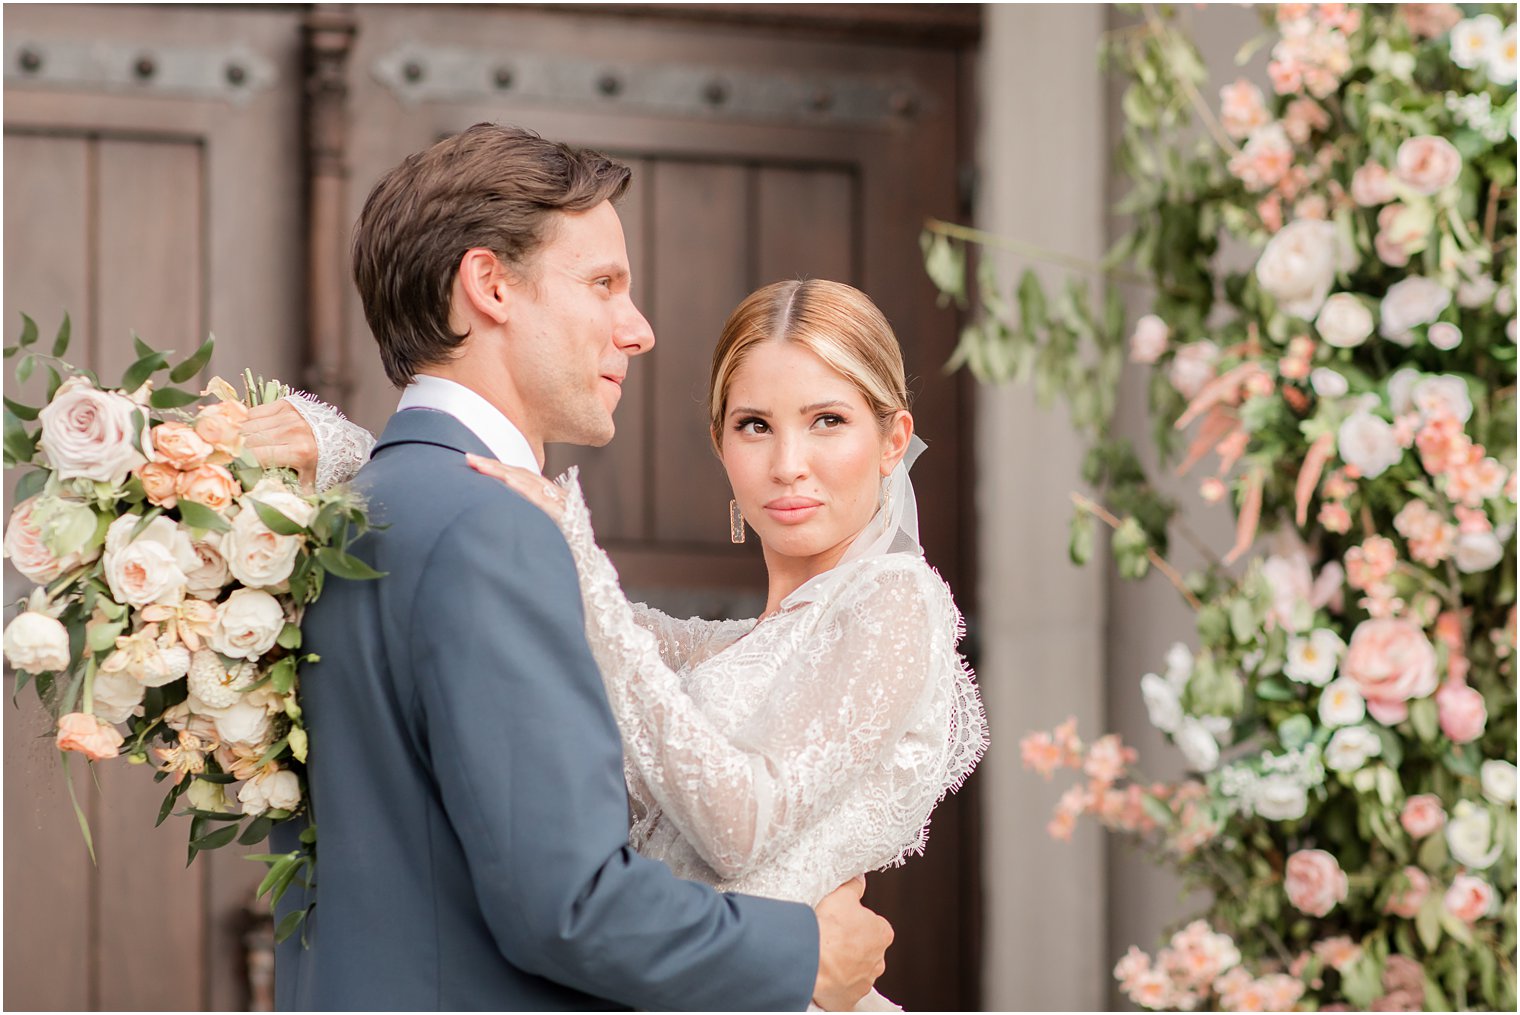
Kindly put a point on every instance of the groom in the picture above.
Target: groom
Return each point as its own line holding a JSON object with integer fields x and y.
{"x": 465, "y": 771}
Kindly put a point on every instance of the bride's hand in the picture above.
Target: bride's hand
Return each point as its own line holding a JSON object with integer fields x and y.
{"x": 525, "y": 482}
{"x": 279, "y": 437}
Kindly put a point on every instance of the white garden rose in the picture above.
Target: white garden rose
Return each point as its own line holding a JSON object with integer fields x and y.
{"x": 256, "y": 555}
{"x": 273, "y": 492}
{"x": 247, "y": 624}
{"x": 1501, "y": 62}
{"x": 1341, "y": 704}
{"x": 1279, "y": 797}
{"x": 1313, "y": 660}
{"x": 1477, "y": 551}
{"x": 36, "y": 643}
{"x": 1368, "y": 442}
{"x": 1498, "y": 779}
{"x": 1161, "y": 702}
{"x": 1350, "y": 748}
{"x": 1328, "y": 383}
{"x": 150, "y": 568}
{"x": 246, "y": 722}
{"x": 1470, "y": 836}
{"x": 1401, "y": 390}
{"x": 1179, "y": 666}
{"x": 118, "y": 695}
{"x": 277, "y": 790}
{"x": 1299, "y": 264}
{"x": 208, "y": 579}
{"x": 1444, "y": 335}
{"x": 1197, "y": 744}
{"x": 1344, "y": 321}
{"x": 88, "y": 433}
{"x": 1193, "y": 367}
{"x": 1149, "y": 340}
{"x": 1408, "y": 304}
{"x": 1444, "y": 394}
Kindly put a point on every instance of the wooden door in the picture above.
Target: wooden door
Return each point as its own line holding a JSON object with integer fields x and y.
{"x": 143, "y": 193}
{"x": 758, "y": 155}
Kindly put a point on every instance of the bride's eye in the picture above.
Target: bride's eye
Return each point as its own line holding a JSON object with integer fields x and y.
{"x": 752, "y": 426}
{"x": 829, "y": 420}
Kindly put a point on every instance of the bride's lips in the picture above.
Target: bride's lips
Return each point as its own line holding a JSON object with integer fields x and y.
{"x": 792, "y": 510}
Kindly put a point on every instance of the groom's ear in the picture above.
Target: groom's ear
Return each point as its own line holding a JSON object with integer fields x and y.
{"x": 481, "y": 285}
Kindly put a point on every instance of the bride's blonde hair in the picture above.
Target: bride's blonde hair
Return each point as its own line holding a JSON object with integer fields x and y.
{"x": 835, "y": 322}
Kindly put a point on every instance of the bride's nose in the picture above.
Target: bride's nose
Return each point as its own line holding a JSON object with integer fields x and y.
{"x": 789, "y": 458}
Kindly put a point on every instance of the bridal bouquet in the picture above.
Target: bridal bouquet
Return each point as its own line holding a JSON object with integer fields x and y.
{"x": 171, "y": 573}
{"x": 1349, "y": 704}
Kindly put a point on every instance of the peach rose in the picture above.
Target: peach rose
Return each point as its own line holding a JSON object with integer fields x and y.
{"x": 1464, "y": 716}
{"x": 1371, "y": 185}
{"x": 1469, "y": 899}
{"x": 180, "y": 446}
{"x": 1423, "y": 815}
{"x": 221, "y": 426}
{"x": 1428, "y": 164}
{"x": 94, "y": 738}
{"x": 1242, "y": 109}
{"x": 158, "y": 480}
{"x": 1315, "y": 882}
{"x": 1390, "y": 661}
{"x": 1406, "y": 902}
{"x": 211, "y": 485}
{"x": 28, "y": 551}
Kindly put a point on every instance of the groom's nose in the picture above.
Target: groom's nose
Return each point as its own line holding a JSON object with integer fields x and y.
{"x": 632, "y": 333}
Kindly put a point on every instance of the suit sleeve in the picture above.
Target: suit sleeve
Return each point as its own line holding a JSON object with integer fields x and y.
{"x": 526, "y": 754}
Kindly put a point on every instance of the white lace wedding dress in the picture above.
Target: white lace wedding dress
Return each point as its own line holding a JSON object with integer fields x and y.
{"x": 783, "y": 757}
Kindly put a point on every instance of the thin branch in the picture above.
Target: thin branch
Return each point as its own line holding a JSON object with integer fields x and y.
{"x": 1097, "y": 510}
{"x": 987, "y": 239}
{"x": 1199, "y": 105}
{"x": 1491, "y": 214}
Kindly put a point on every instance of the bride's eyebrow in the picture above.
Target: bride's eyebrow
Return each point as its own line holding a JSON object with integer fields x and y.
{"x": 744, "y": 410}
{"x": 834, "y": 404}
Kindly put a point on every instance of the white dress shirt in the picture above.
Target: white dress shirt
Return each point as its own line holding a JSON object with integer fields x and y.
{"x": 482, "y": 418}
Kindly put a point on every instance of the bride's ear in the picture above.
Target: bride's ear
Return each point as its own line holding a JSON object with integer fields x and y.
{"x": 481, "y": 286}
{"x": 895, "y": 441}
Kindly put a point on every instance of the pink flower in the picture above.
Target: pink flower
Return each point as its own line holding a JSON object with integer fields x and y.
{"x": 1269, "y": 210}
{"x": 1131, "y": 967}
{"x": 1153, "y": 990}
{"x": 1212, "y": 490}
{"x": 1242, "y": 108}
{"x": 1428, "y": 164}
{"x": 1371, "y": 185}
{"x": 1443, "y": 444}
{"x": 28, "y": 551}
{"x": 1265, "y": 159}
{"x": 1338, "y": 952}
{"x": 1430, "y": 21}
{"x": 1469, "y": 898}
{"x": 1423, "y": 815}
{"x": 1193, "y": 367}
{"x": 1335, "y": 518}
{"x": 92, "y": 737}
{"x": 1302, "y": 118}
{"x": 1149, "y": 340}
{"x": 1406, "y": 902}
{"x": 1371, "y": 563}
{"x": 1282, "y": 991}
{"x": 88, "y": 433}
{"x": 1315, "y": 882}
{"x": 1400, "y": 234}
{"x": 1463, "y": 713}
{"x": 1390, "y": 661}
{"x": 1041, "y": 754}
{"x": 1106, "y": 758}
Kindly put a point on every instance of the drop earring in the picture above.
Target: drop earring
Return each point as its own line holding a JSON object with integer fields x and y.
{"x": 735, "y": 523}
{"x": 886, "y": 496}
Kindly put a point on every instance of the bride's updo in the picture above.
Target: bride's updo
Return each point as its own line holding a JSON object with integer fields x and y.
{"x": 835, "y": 322}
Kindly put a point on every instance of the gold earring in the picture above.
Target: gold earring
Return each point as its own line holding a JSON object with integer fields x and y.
{"x": 886, "y": 497}
{"x": 735, "y": 523}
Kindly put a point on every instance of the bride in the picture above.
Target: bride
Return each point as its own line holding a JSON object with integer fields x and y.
{"x": 785, "y": 755}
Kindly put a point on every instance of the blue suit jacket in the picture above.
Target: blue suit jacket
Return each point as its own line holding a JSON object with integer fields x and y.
{"x": 466, "y": 780}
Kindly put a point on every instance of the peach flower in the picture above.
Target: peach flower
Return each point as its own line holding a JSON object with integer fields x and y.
{"x": 1430, "y": 21}
{"x": 1464, "y": 716}
{"x": 1428, "y": 164}
{"x": 211, "y": 485}
{"x": 1372, "y": 185}
{"x": 1406, "y": 901}
{"x": 1242, "y": 108}
{"x": 180, "y": 446}
{"x": 1423, "y": 815}
{"x": 1469, "y": 898}
{"x": 1315, "y": 882}
{"x": 94, "y": 738}
{"x": 221, "y": 426}
{"x": 28, "y": 550}
{"x": 1265, "y": 159}
{"x": 1338, "y": 952}
{"x": 158, "y": 480}
{"x": 1390, "y": 661}
{"x": 1302, "y": 118}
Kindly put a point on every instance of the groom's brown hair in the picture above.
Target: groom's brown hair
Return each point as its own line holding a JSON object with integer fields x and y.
{"x": 491, "y": 186}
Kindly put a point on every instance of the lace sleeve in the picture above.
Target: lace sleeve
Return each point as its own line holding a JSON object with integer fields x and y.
{"x": 841, "y": 705}
{"x": 342, "y": 447}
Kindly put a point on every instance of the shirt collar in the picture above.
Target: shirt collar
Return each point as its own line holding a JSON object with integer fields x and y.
{"x": 479, "y": 416}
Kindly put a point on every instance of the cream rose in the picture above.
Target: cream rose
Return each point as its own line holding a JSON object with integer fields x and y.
{"x": 1372, "y": 185}
{"x": 1422, "y": 815}
{"x": 36, "y": 643}
{"x": 117, "y": 695}
{"x": 1477, "y": 551}
{"x": 1369, "y": 443}
{"x": 256, "y": 555}
{"x": 1428, "y": 164}
{"x": 276, "y": 494}
{"x": 180, "y": 446}
{"x": 1299, "y": 264}
{"x": 1444, "y": 335}
{"x": 207, "y": 580}
{"x": 277, "y": 790}
{"x": 1410, "y": 303}
{"x": 150, "y": 568}
{"x": 1279, "y": 797}
{"x": 1469, "y": 898}
{"x": 1442, "y": 395}
{"x": 245, "y": 722}
{"x": 1344, "y": 321}
{"x": 1315, "y": 882}
{"x": 247, "y": 624}
{"x": 95, "y": 738}
{"x": 1390, "y": 661}
{"x": 1470, "y": 836}
{"x": 41, "y": 540}
{"x": 1149, "y": 340}
{"x": 1351, "y": 748}
{"x": 88, "y": 433}
{"x": 1498, "y": 780}
{"x": 1341, "y": 704}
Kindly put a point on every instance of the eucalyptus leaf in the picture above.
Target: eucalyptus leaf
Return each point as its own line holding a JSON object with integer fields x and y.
{"x": 345, "y": 565}
{"x": 276, "y": 520}
{"x": 28, "y": 332}
{"x": 61, "y": 340}
{"x": 217, "y": 839}
{"x": 194, "y": 364}
{"x": 172, "y": 398}
{"x": 140, "y": 371}
{"x": 289, "y": 925}
{"x": 199, "y": 516}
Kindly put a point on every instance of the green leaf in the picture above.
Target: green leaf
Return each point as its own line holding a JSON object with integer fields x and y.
{"x": 288, "y": 925}
{"x": 30, "y": 484}
{"x": 345, "y": 566}
{"x": 84, "y": 822}
{"x": 61, "y": 341}
{"x": 199, "y": 516}
{"x": 144, "y": 350}
{"x": 1425, "y": 719}
{"x": 28, "y": 332}
{"x": 290, "y": 637}
{"x": 1434, "y": 999}
{"x": 217, "y": 839}
{"x": 1274, "y": 689}
{"x": 172, "y": 398}
{"x": 25, "y": 412}
{"x": 276, "y": 520}
{"x": 279, "y": 863}
{"x": 140, "y": 371}
{"x": 1427, "y": 921}
{"x": 54, "y": 383}
{"x": 20, "y": 446}
{"x": 257, "y": 831}
{"x": 25, "y": 367}
{"x": 195, "y": 364}
{"x": 1080, "y": 546}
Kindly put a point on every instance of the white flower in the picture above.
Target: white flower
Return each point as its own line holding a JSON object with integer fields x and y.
{"x": 1442, "y": 393}
{"x": 1279, "y": 797}
{"x": 1476, "y": 292}
{"x": 1193, "y": 367}
{"x": 117, "y": 695}
{"x": 1351, "y": 747}
{"x": 1475, "y": 41}
{"x": 1149, "y": 340}
{"x": 1197, "y": 745}
{"x": 150, "y": 568}
{"x": 1477, "y": 551}
{"x": 1368, "y": 442}
{"x": 247, "y": 624}
{"x": 1400, "y": 386}
{"x": 1299, "y": 264}
{"x": 1344, "y": 321}
{"x": 216, "y": 684}
{"x": 88, "y": 433}
{"x": 1498, "y": 779}
{"x": 208, "y": 580}
{"x": 208, "y": 796}
{"x": 1469, "y": 835}
{"x": 142, "y": 658}
{"x": 1312, "y": 660}
{"x": 1162, "y": 702}
{"x": 1341, "y": 704}
{"x": 279, "y": 790}
{"x": 36, "y": 643}
{"x": 1504, "y": 300}
{"x": 274, "y": 493}
{"x": 245, "y": 722}
{"x": 1501, "y": 62}
{"x": 256, "y": 555}
{"x": 1328, "y": 383}
{"x": 1444, "y": 335}
{"x": 1179, "y": 666}
{"x": 1410, "y": 303}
